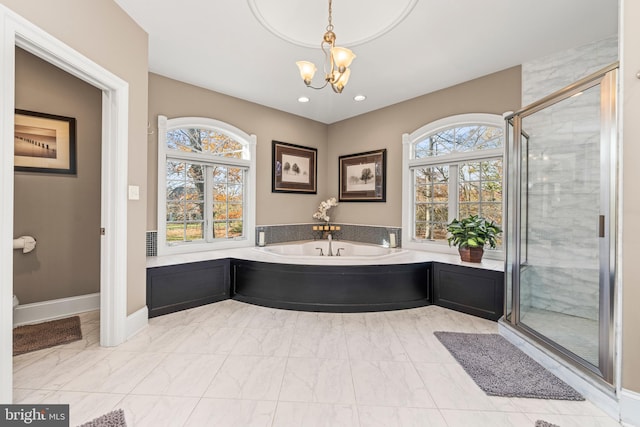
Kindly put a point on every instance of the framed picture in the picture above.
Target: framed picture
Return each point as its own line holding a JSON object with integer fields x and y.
{"x": 363, "y": 177}
{"x": 44, "y": 143}
{"x": 295, "y": 169}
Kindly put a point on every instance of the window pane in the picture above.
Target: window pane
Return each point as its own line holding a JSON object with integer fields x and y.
{"x": 439, "y": 231}
{"x": 432, "y": 198}
{"x": 175, "y": 212}
{"x": 439, "y": 213}
{"x": 219, "y": 211}
{"x": 234, "y": 193}
{"x": 470, "y": 171}
{"x": 184, "y": 201}
{"x": 469, "y": 192}
{"x": 440, "y": 193}
{"x": 492, "y": 211}
{"x": 459, "y": 139}
{"x": 192, "y": 140}
{"x": 492, "y": 170}
{"x": 480, "y": 190}
{"x": 468, "y": 209}
{"x": 235, "y": 210}
{"x": 195, "y": 231}
{"x": 228, "y": 201}
{"x": 220, "y": 230}
{"x": 421, "y": 231}
{"x": 431, "y": 231}
{"x": 423, "y": 193}
{"x": 236, "y": 175}
{"x": 492, "y": 191}
{"x": 180, "y": 232}
{"x": 235, "y": 229}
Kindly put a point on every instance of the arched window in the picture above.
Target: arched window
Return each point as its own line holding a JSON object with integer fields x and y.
{"x": 452, "y": 168}
{"x": 206, "y": 185}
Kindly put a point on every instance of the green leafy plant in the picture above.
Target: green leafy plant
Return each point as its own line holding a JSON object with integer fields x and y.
{"x": 473, "y": 232}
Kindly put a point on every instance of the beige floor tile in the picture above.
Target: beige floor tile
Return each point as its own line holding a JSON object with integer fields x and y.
{"x": 299, "y": 414}
{"x": 248, "y": 377}
{"x": 232, "y": 413}
{"x": 384, "y": 416}
{"x": 157, "y": 411}
{"x": 317, "y": 380}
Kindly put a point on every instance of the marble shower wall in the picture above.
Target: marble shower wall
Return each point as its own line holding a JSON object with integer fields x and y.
{"x": 564, "y": 183}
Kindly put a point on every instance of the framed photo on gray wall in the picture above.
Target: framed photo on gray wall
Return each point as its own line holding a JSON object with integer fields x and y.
{"x": 363, "y": 177}
{"x": 294, "y": 168}
{"x": 44, "y": 143}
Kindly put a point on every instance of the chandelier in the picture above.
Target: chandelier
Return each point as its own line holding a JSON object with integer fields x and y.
{"x": 336, "y": 64}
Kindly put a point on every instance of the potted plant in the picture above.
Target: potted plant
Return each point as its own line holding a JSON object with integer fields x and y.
{"x": 471, "y": 235}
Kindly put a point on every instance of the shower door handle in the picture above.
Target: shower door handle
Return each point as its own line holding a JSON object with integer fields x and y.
{"x": 601, "y": 226}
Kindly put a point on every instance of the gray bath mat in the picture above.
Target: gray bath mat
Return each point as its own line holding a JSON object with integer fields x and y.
{"x": 501, "y": 369}
{"x": 542, "y": 423}
{"x": 112, "y": 419}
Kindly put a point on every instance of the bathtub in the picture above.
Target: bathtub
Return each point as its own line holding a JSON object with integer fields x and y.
{"x": 320, "y": 248}
{"x": 363, "y": 278}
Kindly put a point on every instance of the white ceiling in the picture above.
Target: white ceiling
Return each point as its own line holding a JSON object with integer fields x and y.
{"x": 222, "y": 45}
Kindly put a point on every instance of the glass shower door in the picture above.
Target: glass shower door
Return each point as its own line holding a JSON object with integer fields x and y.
{"x": 562, "y": 200}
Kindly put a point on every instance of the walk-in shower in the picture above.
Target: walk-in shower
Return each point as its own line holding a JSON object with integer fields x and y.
{"x": 560, "y": 264}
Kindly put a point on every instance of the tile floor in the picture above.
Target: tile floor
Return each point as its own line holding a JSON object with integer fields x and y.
{"x": 234, "y": 364}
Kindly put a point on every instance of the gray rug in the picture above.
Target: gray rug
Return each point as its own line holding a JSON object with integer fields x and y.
{"x": 542, "y": 423}
{"x": 501, "y": 369}
{"x": 46, "y": 334}
{"x": 112, "y": 419}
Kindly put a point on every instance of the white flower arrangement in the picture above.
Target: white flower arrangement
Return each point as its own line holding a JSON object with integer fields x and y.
{"x": 325, "y": 205}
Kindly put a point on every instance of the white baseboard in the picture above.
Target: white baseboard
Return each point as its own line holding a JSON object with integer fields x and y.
{"x": 629, "y": 407}
{"x": 55, "y": 309}
{"x": 137, "y": 321}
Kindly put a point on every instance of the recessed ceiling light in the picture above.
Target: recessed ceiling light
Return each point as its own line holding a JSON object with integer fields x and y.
{"x": 303, "y": 99}
{"x": 359, "y": 98}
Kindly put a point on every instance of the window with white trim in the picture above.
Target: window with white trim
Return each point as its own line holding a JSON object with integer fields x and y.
{"x": 452, "y": 168}
{"x": 206, "y": 185}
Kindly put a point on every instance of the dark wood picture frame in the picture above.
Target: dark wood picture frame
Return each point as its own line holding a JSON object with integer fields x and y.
{"x": 363, "y": 177}
{"x": 294, "y": 168}
{"x": 44, "y": 143}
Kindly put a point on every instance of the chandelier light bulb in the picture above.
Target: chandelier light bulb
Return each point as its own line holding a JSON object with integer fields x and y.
{"x": 340, "y": 80}
{"x": 342, "y": 57}
{"x": 307, "y": 70}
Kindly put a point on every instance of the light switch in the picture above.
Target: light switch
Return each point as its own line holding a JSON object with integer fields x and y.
{"x": 134, "y": 192}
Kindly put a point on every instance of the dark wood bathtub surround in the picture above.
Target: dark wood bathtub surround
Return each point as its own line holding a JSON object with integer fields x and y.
{"x": 326, "y": 288}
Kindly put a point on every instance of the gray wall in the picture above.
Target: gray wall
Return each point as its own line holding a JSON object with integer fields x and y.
{"x": 61, "y": 211}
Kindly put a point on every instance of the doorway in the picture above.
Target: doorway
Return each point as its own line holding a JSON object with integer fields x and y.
{"x": 16, "y": 31}
{"x": 560, "y": 267}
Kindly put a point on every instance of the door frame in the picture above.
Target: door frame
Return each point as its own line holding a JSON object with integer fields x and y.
{"x": 17, "y": 31}
{"x": 609, "y": 337}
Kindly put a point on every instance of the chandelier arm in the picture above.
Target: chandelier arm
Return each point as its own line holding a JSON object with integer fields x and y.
{"x": 328, "y": 60}
{"x": 326, "y": 82}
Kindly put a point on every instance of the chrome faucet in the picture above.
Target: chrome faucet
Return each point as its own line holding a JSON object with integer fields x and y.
{"x": 329, "y": 238}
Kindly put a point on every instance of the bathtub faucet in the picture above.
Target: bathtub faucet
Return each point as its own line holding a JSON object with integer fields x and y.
{"x": 329, "y": 238}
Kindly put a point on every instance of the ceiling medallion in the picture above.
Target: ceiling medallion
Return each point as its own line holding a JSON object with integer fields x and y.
{"x": 360, "y": 21}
